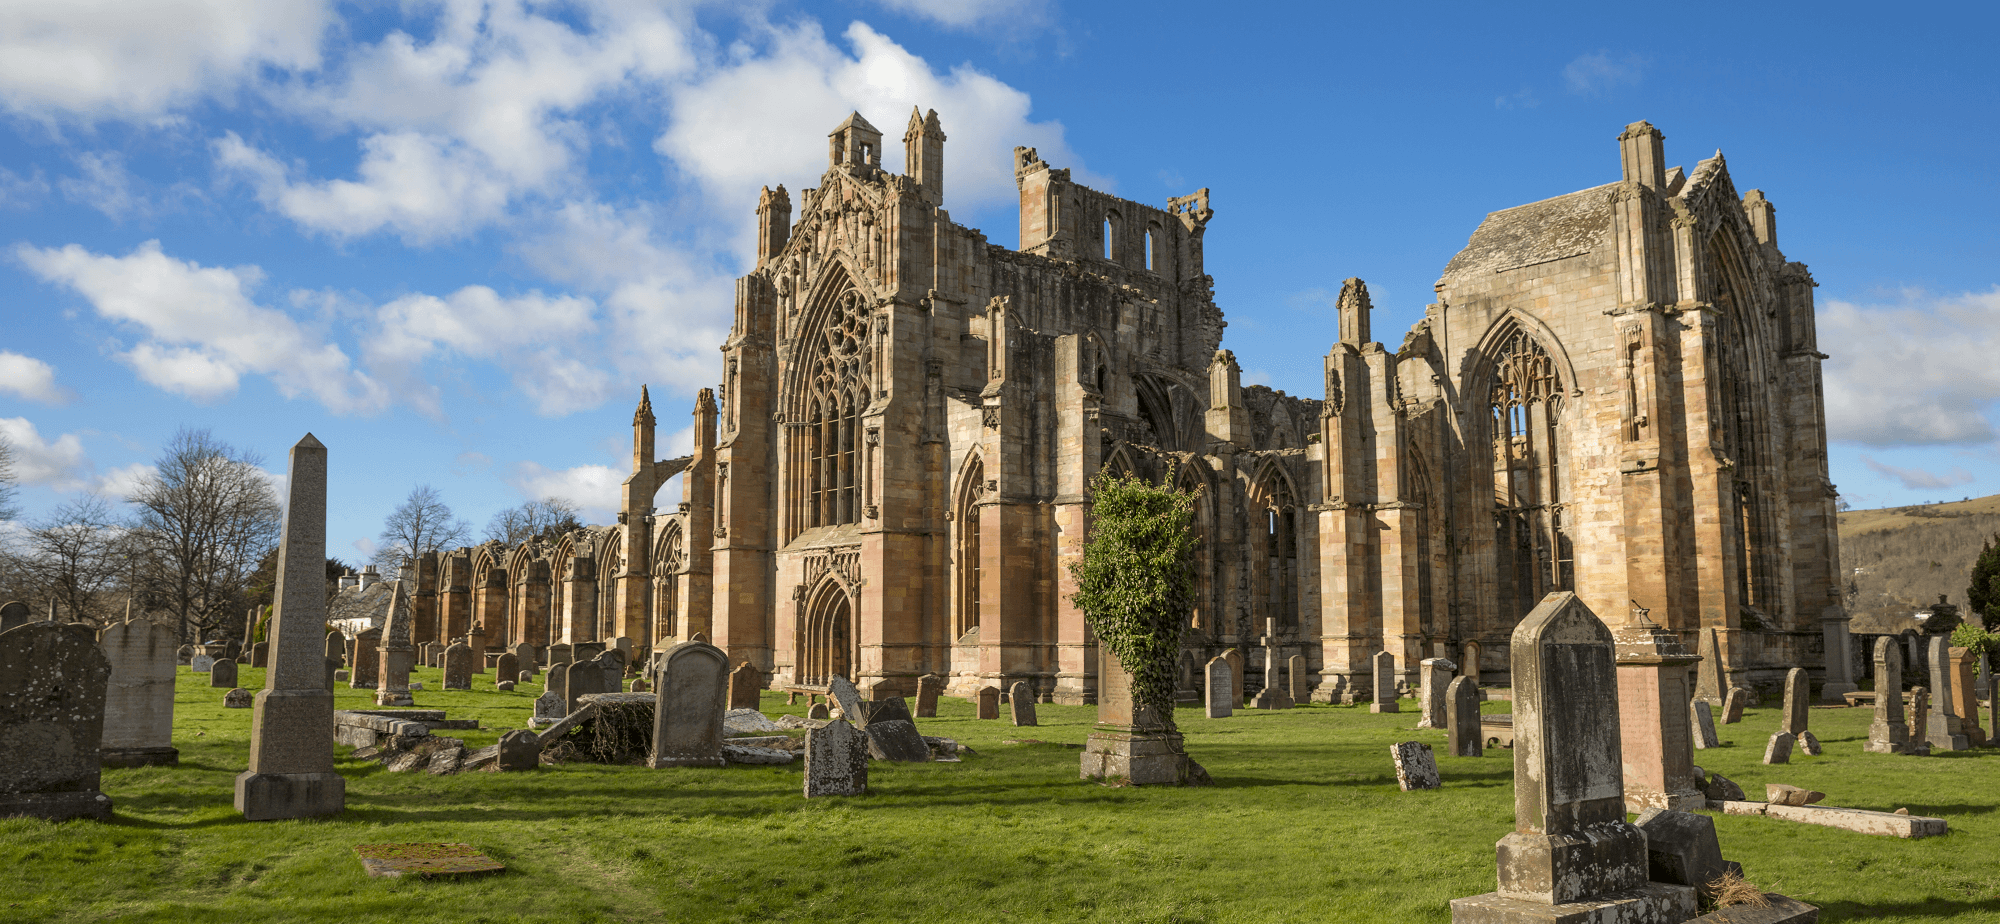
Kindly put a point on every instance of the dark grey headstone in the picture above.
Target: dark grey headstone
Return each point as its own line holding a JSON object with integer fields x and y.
{"x": 15, "y": 613}
{"x": 836, "y": 761}
{"x": 689, "y": 707}
{"x": 929, "y": 688}
{"x": 222, "y": 674}
{"x": 1681, "y": 848}
{"x": 846, "y": 697}
{"x": 1021, "y": 702}
{"x": 896, "y": 739}
{"x": 1462, "y": 718}
{"x": 520, "y": 749}
{"x": 1416, "y": 766}
{"x": 52, "y": 687}
{"x": 1219, "y": 688}
{"x": 745, "y": 686}
{"x": 1704, "y": 724}
{"x": 458, "y": 667}
{"x": 238, "y": 698}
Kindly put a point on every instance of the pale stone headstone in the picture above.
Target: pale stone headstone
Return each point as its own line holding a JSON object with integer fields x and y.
{"x": 846, "y": 697}
{"x": 139, "y": 697}
{"x": 507, "y": 667}
{"x": 929, "y": 688}
{"x": 202, "y": 662}
{"x": 836, "y": 760}
{"x": 238, "y": 698}
{"x": 1021, "y": 700}
{"x": 222, "y": 674}
{"x": 1220, "y": 688}
{"x": 291, "y": 753}
{"x": 365, "y": 674}
{"x": 1779, "y": 749}
{"x": 745, "y": 687}
{"x": 1708, "y": 685}
{"x": 52, "y": 694}
{"x": 1943, "y": 731}
{"x": 335, "y": 656}
{"x": 1416, "y": 766}
{"x": 524, "y": 677}
{"x": 397, "y": 655}
{"x": 1384, "y": 683}
{"x": 989, "y": 702}
{"x": 818, "y": 711}
{"x": 689, "y": 706}
{"x": 1434, "y": 674}
{"x": 520, "y": 749}
{"x": 1236, "y": 676}
{"x": 1298, "y": 684}
{"x": 1462, "y": 729}
{"x": 458, "y": 668}
{"x": 15, "y": 613}
{"x": 1468, "y": 659}
{"x": 1732, "y": 705}
{"x": 1703, "y": 717}
{"x": 1571, "y": 851}
{"x": 1798, "y": 701}
{"x": 1888, "y": 734}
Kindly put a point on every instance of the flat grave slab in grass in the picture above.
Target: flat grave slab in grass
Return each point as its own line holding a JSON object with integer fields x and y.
{"x": 425, "y": 860}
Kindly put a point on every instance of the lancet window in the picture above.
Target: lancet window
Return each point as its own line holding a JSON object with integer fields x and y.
{"x": 1742, "y": 440}
{"x": 1279, "y": 556}
{"x": 972, "y": 488}
{"x": 835, "y": 392}
{"x": 1529, "y": 493}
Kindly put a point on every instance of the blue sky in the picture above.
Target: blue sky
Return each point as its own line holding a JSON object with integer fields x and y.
{"x": 453, "y": 239}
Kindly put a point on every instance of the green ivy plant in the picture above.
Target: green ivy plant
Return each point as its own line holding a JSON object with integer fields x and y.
{"x": 1135, "y": 582}
{"x": 1974, "y": 639}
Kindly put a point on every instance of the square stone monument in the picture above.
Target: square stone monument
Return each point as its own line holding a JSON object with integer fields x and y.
{"x": 1942, "y": 730}
{"x": 1657, "y": 748}
{"x": 1131, "y": 741}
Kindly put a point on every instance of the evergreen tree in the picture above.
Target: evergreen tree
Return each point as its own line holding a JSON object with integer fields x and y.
{"x": 1135, "y": 583}
{"x": 1984, "y": 593}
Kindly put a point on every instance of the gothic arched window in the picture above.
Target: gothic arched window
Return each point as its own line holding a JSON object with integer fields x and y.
{"x": 1525, "y": 404}
{"x": 834, "y": 393}
{"x": 972, "y": 488}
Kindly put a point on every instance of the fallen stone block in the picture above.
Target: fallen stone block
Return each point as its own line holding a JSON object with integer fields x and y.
{"x": 562, "y": 726}
{"x": 1720, "y": 788}
{"x": 1782, "y": 794}
{"x": 747, "y": 721}
{"x": 742, "y": 754}
{"x": 1861, "y": 821}
{"x": 476, "y": 760}
{"x": 1738, "y": 807}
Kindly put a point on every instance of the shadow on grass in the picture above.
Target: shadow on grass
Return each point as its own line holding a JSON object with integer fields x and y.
{"x": 1856, "y": 911}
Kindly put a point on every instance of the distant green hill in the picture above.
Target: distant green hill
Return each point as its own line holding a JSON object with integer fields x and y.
{"x": 1899, "y": 559}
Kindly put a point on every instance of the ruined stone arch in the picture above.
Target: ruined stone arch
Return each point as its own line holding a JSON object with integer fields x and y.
{"x": 827, "y": 641}
{"x": 669, "y": 561}
{"x": 1119, "y": 461}
{"x": 1192, "y": 474}
{"x": 1744, "y": 395}
{"x": 1097, "y": 367}
{"x": 1519, "y": 448}
{"x": 1275, "y": 556}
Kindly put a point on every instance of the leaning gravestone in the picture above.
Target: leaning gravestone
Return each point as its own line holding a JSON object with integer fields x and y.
{"x": 1385, "y": 683}
{"x": 1888, "y": 734}
{"x": 1708, "y": 674}
{"x": 1732, "y": 705}
{"x": 1793, "y": 721}
{"x": 1021, "y": 702}
{"x": 836, "y": 761}
{"x": 365, "y": 673}
{"x": 1572, "y": 856}
{"x": 892, "y": 734}
{"x": 52, "y": 692}
{"x": 458, "y": 667}
{"x": 1681, "y": 848}
{"x": 689, "y": 706}
{"x": 139, "y": 698}
{"x": 1416, "y": 767}
{"x": 929, "y": 687}
{"x": 845, "y": 696}
{"x": 745, "y": 683}
{"x": 222, "y": 674}
{"x": 14, "y": 614}
{"x": 1462, "y": 729}
{"x": 291, "y": 753}
{"x": 1704, "y": 724}
{"x": 520, "y": 749}
{"x": 1220, "y": 686}
{"x": 1434, "y": 674}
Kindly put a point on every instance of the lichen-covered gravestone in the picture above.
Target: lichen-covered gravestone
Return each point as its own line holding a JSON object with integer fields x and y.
{"x": 1793, "y": 723}
{"x": 1732, "y": 705}
{"x": 1021, "y": 703}
{"x": 745, "y": 685}
{"x": 202, "y": 662}
{"x": 458, "y": 667}
{"x": 1703, "y": 718}
{"x": 52, "y": 684}
{"x": 139, "y": 698}
{"x": 836, "y": 761}
{"x": 689, "y": 707}
{"x": 1221, "y": 686}
{"x": 1416, "y": 766}
{"x": 238, "y": 698}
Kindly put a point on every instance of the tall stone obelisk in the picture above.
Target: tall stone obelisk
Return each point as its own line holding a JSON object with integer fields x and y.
{"x": 398, "y": 655}
{"x": 291, "y": 746}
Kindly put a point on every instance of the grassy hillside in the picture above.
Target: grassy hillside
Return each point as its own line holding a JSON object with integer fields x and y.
{"x": 1899, "y": 559}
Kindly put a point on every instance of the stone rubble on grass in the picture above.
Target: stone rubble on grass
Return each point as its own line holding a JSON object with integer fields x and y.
{"x": 1781, "y": 794}
{"x": 745, "y": 754}
{"x": 747, "y": 721}
{"x": 793, "y": 721}
{"x": 1720, "y": 788}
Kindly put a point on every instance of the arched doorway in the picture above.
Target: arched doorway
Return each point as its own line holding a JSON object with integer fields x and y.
{"x": 826, "y": 648}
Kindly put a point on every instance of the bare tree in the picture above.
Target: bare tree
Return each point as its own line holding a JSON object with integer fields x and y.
{"x": 70, "y": 556}
{"x": 542, "y": 519}
{"x": 422, "y": 523}
{"x": 206, "y": 516}
{"x": 10, "y": 489}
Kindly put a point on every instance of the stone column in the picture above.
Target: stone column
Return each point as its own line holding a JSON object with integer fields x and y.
{"x": 1572, "y": 855}
{"x": 1888, "y": 735}
{"x": 579, "y": 604}
{"x": 291, "y": 752}
{"x": 1130, "y": 741}
{"x": 397, "y": 654}
{"x": 1657, "y": 743}
{"x": 139, "y": 699}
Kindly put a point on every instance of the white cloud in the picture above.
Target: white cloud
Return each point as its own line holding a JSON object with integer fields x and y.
{"x": 1919, "y": 372}
{"x": 61, "y": 465}
{"x": 752, "y": 121}
{"x": 965, "y": 14}
{"x": 366, "y": 547}
{"x": 204, "y": 331}
{"x": 541, "y": 339}
{"x": 1599, "y": 72}
{"x": 1917, "y": 479}
{"x": 123, "y": 482}
{"x": 105, "y": 185}
{"x": 17, "y": 191}
{"x": 31, "y": 379}
{"x": 594, "y": 488}
{"x": 137, "y": 58}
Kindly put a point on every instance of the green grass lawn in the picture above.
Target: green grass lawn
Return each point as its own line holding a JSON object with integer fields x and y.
{"x": 1305, "y": 823}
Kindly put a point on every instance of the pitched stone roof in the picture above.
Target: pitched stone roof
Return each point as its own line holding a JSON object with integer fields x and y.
{"x": 1538, "y": 232}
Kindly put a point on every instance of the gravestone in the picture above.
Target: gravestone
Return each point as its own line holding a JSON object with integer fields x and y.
{"x": 260, "y": 654}
{"x": 1920, "y": 711}
{"x": 689, "y": 706}
{"x": 1657, "y": 747}
{"x": 524, "y": 658}
{"x": 836, "y": 761}
{"x": 1572, "y": 856}
{"x": 557, "y": 682}
{"x": 1274, "y": 694}
{"x": 291, "y": 753}
{"x": 520, "y": 749}
{"x": 1732, "y": 705}
{"x": 818, "y": 711}
{"x": 507, "y": 667}
{"x": 1434, "y": 674}
{"x": 222, "y": 674}
{"x": 745, "y": 685}
{"x": 139, "y": 696}
{"x": 238, "y": 698}
{"x": 202, "y": 662}
{"x": 15, "y": 613}
{"x": 1779, "y": 749}
{"x": 1943, "y": 731}
{"x": 1236, "y": 677}
{"x": 183, "y": 655}
{"x": 1416, "y": 766}
{"x": 1888, "y": 734}
{"x": 1708, "y": 685}
{"x": 1703, "y": 718}
{"x": 1298, "y": 684}
{"x": 989, "y": 702}
{"x": 1792, "y": 720}
{"x": 397, "y": 655}
{"x": 582, "y": 679}
{"x": 1220, "y": 685}
{"x": 1681, "y": 848}
{"x": 1462, "y": 718}
{"x": 1021, "y": 701}
{"x": 1468, "y": 660}
{"x": 892, "y": 733}
{"x": 1963, "y": 703}
{"x": 560, "y": 653}
{"x": 611, "y": 664}
{"x": 929, "y": 688}
{"x": 1384, "y": 678}
{"x": 458, "y": 668}
{"x": 549, "y": 707}
{"x": 52, "y": 694}
{"x": 365, "y": 673}
{"x": 335, "y": 655}
{"x": 847, "y": 698}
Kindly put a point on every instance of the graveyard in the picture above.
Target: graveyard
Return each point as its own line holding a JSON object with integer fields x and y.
{"x": 1304, "y": 822}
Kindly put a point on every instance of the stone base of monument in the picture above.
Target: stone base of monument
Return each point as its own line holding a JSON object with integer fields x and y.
{"x": 1140, "y": 758}
{"x": 1651, "y": 903}
{"x": 273, "y": 796}
{"x": 394, "y": 698}
{"x": 139, "y": 757}
{"x": 56, "y": 806}
{"x": 1271, "y": 698}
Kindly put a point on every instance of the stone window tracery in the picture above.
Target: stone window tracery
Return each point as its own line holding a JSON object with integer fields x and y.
{"x": 835, "y": 391}
{"x": 1525, "y": 407}
{"x": 972, "y": 489}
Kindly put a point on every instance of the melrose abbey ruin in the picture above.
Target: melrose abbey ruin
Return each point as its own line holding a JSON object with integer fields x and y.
{"x": 1616, "y": 392}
